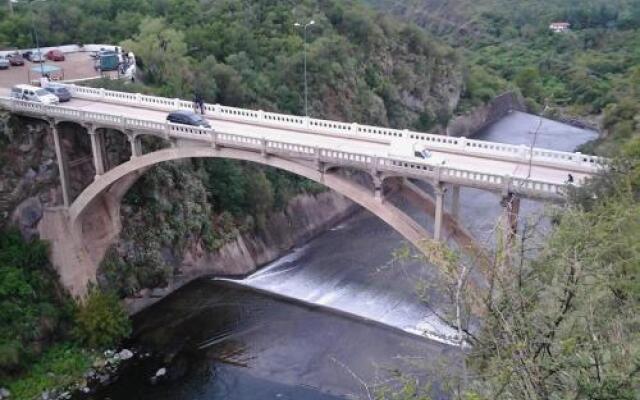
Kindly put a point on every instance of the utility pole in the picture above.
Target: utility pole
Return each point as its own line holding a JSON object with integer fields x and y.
{"x": 35, "y": 34}
{"x": 306, "y": 106}
{"x": 10, "y": 7}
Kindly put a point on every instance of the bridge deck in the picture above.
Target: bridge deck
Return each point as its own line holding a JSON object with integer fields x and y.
{"x": 363, "y": 145}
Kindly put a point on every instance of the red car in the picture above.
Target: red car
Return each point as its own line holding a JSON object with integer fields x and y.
{"x": 55, "y": 55}
{"x": 16, "y": 59}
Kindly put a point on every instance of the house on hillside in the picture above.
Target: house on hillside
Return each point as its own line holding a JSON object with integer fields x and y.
{"x": 559, "y": 27}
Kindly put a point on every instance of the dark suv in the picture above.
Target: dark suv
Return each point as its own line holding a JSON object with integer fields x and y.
{"x": 187, "y": 118}
{"x": 60, "y": 91}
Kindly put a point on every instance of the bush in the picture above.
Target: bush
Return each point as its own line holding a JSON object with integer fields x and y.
{"x": 102, "y": 321}
{"x": 33, "y": 307}
{"x": 59, "y": 366}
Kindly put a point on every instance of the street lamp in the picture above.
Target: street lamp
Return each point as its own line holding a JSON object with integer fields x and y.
{"x": 35, "y": 32}
{"x": 305, "y": 26}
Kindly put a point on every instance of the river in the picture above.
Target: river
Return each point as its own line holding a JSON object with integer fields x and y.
{"x": 332, "y": 319}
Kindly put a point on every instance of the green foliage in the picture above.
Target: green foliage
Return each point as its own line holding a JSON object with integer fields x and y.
{"x": 251, "y": 54}
{"x": 59, "y": 366}
{"x": 565, "y": 324}
{"x": 162, "y": 54}
{"x": 480, "y": 87}
{"x": 101, "y": 320}
{"x": 33, "y": 308}
{"x": 528, "y": 80}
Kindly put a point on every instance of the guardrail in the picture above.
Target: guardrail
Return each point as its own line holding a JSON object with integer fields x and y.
{"x": 66, "y": 48}
{"x": 390, "y": 165}
{"x": 518, "y": 153}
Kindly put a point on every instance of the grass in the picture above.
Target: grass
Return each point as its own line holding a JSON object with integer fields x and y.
{"x": 60, "y": 366}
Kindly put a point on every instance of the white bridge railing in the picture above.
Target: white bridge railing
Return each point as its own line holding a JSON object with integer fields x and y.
{"x": 518, "y": 153}
{"x": 390, "y": 165}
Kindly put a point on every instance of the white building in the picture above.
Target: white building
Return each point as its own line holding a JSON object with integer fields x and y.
{"x": 559, "y": 27}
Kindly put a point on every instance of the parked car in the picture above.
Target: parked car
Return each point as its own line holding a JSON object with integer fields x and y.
{"x": 188, "y": 118}
{"x": 16, "y": 59}
{"x": 33, "y": 93}
{"x": 60, "y": 91}
{"x": 55, "y": 55}
{"x": 4, "y": 62}
{"x": 96, "y": 54}
{"x": 34, "y": 56}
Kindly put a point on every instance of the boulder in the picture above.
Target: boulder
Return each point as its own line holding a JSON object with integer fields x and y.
{"x": 125, "y": 354}
{"x": 27, "y": 215}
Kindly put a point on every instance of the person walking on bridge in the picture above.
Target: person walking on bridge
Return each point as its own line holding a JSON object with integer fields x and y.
{"x": 198, "y": 103}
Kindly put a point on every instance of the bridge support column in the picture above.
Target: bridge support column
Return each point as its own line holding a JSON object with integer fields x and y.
{"x": 136, "y": 146}
{"x": 510, "y": 210}
{"x": 455, "y": 201}
{"x": 437, "y": 227}
{"x": 62, "y": 164}
{"x": 263, "y": 147}
{"x": 377, "y": 188}
{"x": 97, "y": 149}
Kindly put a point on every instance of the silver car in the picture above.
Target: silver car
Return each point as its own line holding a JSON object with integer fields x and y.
{"x": 37, "y": 57}
{"x": 4, "y": 62}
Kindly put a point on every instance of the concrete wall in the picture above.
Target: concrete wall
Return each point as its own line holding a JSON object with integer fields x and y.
{"x": 480, "y": 117}
{"x": 304, "y": 217}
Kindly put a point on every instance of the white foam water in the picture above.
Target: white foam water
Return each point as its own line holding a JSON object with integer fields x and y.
{"x": 290, "y": 277}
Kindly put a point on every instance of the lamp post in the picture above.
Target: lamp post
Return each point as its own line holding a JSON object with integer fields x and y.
{"x": 33, "y": 28}
{"x": 305, "y": 26}
{"x": 35, "y": 33}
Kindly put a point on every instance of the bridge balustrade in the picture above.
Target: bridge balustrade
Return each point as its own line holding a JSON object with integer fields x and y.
{"x": 328, "y": 155}
{"x": 475, "y": 147}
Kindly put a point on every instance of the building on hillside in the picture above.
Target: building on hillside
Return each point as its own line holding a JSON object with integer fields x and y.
{"x": 559, "y": 27}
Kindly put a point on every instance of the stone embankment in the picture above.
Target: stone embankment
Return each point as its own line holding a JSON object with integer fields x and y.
{"x": 480, "y": 117}
{"x": 304, "y": 217}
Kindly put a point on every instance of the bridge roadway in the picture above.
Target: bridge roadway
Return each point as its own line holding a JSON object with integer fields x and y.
{"x": 523, "y": 167}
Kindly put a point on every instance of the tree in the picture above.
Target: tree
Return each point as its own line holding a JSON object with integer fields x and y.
{"x": 162, "y": 53}
{"x": 101, "y": 321}
{"x": 528, "y": 80}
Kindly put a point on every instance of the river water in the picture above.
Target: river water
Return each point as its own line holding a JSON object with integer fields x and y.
{"x": 332, "y": 319}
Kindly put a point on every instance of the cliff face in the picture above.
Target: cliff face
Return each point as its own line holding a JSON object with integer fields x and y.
{"x": 28, "y": 173}
{"x": 304, "y": 217}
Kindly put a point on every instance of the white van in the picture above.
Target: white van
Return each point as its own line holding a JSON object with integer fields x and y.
{"x": 414, "y": 151}
{"x": 33, "y": 93}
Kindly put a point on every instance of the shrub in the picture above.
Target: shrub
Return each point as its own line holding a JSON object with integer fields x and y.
{"x": 102, "y": 321}
{"x": 33, "y": 307}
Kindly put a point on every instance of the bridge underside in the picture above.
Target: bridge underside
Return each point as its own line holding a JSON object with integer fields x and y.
{"x": 83, "y": 230}
{"x": 93, "y": 219}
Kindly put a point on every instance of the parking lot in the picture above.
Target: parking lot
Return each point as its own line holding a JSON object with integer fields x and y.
{"x": 76, "y": 66}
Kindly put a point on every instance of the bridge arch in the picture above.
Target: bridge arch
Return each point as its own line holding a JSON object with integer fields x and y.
{"x": 108, "y": 189}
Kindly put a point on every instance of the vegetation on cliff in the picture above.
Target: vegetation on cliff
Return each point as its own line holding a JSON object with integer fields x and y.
{"x": 561, "y": 320}
{"x": 46, "y": 339}
{"x": 590, "y": 70}
{"x": 362, "y": 66}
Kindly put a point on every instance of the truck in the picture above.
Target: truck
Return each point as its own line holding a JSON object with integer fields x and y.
{"x": 107, "y": 61}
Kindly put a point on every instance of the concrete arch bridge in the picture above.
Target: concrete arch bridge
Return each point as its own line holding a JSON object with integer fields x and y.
{"x": 84, "y": 226}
